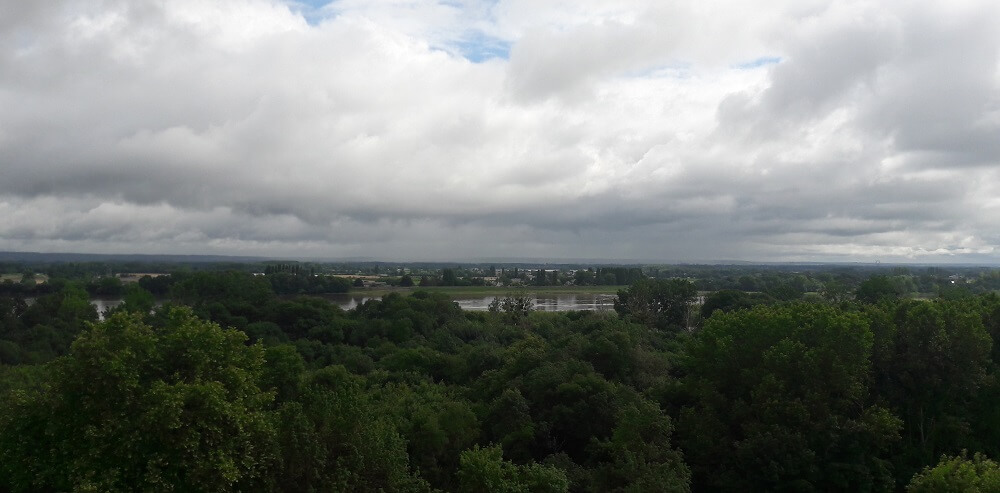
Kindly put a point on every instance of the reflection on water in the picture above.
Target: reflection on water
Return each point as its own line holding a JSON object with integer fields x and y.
{"x": 105, "y": 304}
{"x": 543, "y": 302}
{"x": 101, "y": 304}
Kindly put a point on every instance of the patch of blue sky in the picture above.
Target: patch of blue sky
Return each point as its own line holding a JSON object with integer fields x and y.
{"x": 479, "y": 48}
{"x": 675, "y": 69}
{"x": 311, "y": 10}
{"x": 758, "y": 62}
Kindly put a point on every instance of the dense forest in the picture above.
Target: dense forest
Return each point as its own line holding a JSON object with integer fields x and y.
{"x": 225, "y": 385}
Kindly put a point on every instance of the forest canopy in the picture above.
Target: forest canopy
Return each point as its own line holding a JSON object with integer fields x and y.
{"x": 224, "y": 386}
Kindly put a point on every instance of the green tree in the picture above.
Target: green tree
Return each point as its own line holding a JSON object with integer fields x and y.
{"x": 958, "y": 474}
{"x": 515, "y": 307}
{"x": 877, "y": 289}
{"x": 658, "y": 303}
{"x": 484, "y": 469}
{"x": 835, "y": 292}
{"x": 334, "y": 439}
{"x": 583, "y": 277}
{"x": 508, "y": 422}
{"x": 781, "y": 402}
{"x": 638, "y": 454}
{"x": 234, "y": 289}
{"x": 436, "y": 425}
{"x": 137, "y": 407}
{"x": 137, "y": 299}
{"x": 932, "y": 369}
{"x": 106, "y": 286}
{"x": 28, "y": 280}
{"x": 726, "y": 300}
{"x": 48, "y": 326}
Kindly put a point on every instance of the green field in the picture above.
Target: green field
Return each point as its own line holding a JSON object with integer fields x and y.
{"x": 491, "y": 290}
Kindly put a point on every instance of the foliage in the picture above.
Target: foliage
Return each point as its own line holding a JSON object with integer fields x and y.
{"x": 483, "y": 469}
{"x": 136, "y": 407}
{"x": 45, "y": 329}
{"x": 137, "y": 299}
{"x": 639, "y": 454}
{"x": 936, "y": 360}
{"x": 958, "y": 474}
{"x": 780, "y": 402}
{"x": 657, "y": 303}
{"x": 513, "y": 306}
{"x": 879, "y": 288}
{"x": 304, "y": 283}
{"x": 436, "y": 424}
{"x": 727, "y": 300}
{"x": 406, "y": 281}
{"x": 410, "y": 393}
{"x": 231, "y": 287}
{"x": 333, "y": 439}
{"x": 106, "y": 286}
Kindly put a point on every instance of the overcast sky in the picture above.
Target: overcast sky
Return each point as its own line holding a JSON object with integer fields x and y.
{"x": 419, "y": 130}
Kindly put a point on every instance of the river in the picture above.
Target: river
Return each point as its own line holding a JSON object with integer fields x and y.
{"x": 545, "y": 302}
{"x": 101, "y": 304}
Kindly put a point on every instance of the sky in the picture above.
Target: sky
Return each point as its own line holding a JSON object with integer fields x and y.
{"x": 698, "y": 131}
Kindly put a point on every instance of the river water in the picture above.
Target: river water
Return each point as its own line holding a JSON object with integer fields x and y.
{"x": 101, "y": 304}
{"x": 104, "y": 304}
{"x": 543, "y": 302}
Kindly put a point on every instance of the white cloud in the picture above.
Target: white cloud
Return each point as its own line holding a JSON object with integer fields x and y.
{"x": 627, "y": 130}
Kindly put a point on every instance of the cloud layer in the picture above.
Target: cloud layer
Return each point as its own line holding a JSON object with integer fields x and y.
{"x": 457, "y": 130}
